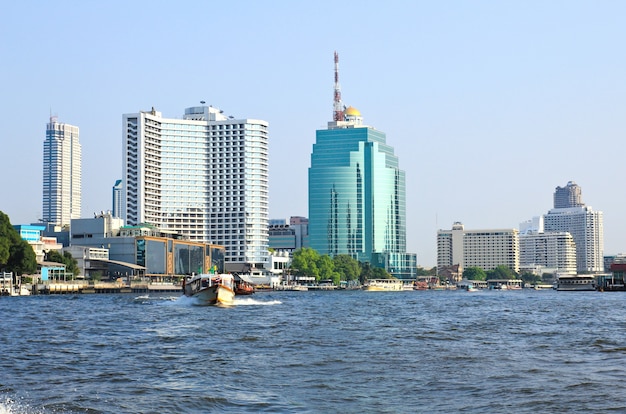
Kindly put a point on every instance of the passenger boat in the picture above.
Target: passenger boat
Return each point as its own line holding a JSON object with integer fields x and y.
{"x": 210, "y": 289}
{"x": 379, "y": 285}
{"x": 576, "y": 283}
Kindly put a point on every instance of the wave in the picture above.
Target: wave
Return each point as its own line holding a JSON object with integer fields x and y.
{"x": 251, "y": 301}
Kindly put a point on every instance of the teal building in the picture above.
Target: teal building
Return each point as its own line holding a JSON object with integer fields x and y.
{"x": 357, "y": 197}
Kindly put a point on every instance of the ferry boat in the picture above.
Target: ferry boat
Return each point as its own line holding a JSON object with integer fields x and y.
{"x": 210, "y": 289}
{"x": 379, "y": 285}
{"x": 576, "y": 283}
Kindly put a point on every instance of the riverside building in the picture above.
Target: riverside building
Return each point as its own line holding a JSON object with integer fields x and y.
{"x": 553, "y": 252}
{"x": 486, "y": 249}
{"x": 584, "y": 224}
{"x": 587, "y": 229}
{"x": 204, "y": 176}
{"x": 357, "y": 194}
{"x": 62, "y": 174}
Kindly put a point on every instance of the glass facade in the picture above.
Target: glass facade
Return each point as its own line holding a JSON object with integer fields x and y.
{"x": 357, "y": 199}
{"x": 168, "y": 257}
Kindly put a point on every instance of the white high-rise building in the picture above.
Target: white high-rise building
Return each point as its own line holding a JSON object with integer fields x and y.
{"x": 486, "y": 249}
{"x": 587, "y": 229}
{"x": 204, "y": 176}
{"x": 62, "y": 175}
{"x": 553, "y": 252}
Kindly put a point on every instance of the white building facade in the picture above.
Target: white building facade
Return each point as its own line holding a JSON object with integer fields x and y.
{"x": 486, "y": 249}
{"x": 62, "y": 174}
{"x": 553, "y": 252}
{"x": 204, "y": 176}
{"x": 587, "y": 228}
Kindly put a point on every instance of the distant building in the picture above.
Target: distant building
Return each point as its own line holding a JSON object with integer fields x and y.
{"x": 487, "y": 249}
{"x": 145, "y": 249}
{"x": 535, "y": 225}
{"x": 568, "y": 196}
{"x": 62, "y": 174}
{"x": 204, "y": 176}
{"x": 116, "y": 198}
{"x": 553, "y": 252}
{"x": 290, "y": 236}
{"x": 587, "y": 229}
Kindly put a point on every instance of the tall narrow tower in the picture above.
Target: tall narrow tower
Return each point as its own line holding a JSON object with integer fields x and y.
{"x": 62, "y": 179}
{"x": 337, "y": 106}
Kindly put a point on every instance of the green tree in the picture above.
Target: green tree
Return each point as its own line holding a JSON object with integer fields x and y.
{"x": 326, "y": 268}
{"x": 304, "y": 263}
{"x": 366, "y": 272}
{"x": 530, "y": 278}
{"x": 23, "y": 259}
{"x": 380, "y": 273}
{"x": 474, "y": 273}
{"x": 71, "y": 265}
{"x": 16, "y": 255}
{"x": 347, "y": 267}
{"x": 501, "y": 272}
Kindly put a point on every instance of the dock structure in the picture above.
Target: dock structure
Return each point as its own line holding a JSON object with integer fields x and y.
{"x": 84, "y": 288}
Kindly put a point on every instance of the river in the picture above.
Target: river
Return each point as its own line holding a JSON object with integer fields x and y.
{"x": 315, "y": 352}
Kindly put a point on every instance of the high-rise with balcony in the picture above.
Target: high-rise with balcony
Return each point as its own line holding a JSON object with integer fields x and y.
{"x": 62, "y": 174}
{"x": 585, "y": 225}
{"x": 204, "y": 176}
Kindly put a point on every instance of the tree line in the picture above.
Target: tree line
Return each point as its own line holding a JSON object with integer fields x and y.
{"x": 18, "y": 256}
{"x": 500, "y": 272}
{"x": 308, "y": 262}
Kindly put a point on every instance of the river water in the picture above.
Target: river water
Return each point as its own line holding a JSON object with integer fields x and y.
{"x": 315, "y": 352}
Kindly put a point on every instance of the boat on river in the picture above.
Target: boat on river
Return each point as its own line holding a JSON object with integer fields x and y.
{"x": 379, "y": 285}
{"x": 576, "y": 283}
{"x": 243, "y": 288}
{"x": 210, "y": 289}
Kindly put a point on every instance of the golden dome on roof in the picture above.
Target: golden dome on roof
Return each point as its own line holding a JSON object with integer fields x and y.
{"x": 351, "y": 111}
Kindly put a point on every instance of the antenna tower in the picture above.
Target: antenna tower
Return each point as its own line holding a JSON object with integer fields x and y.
{"x": 337, "y": 107}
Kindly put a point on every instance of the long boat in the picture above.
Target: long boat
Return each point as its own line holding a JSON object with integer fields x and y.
{"x": 379, "y": 285}
{"x": 576, "y": 283}
{"x": 210, "y": 289}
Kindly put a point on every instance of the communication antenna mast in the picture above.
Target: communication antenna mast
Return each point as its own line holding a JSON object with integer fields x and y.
{"x": 337, "y": 106}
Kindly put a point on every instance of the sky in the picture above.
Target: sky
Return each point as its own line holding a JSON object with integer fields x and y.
{"x": 489, "y": 105}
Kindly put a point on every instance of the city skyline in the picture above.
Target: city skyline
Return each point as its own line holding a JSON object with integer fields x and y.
{"x": 489, "y": 106}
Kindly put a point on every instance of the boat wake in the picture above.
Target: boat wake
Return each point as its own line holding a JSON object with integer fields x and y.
{"x": 10, "y": 406}
{"x": 248, "y": 301}
{"x": 147, "y": 299}
{"x": 185, "y": 301}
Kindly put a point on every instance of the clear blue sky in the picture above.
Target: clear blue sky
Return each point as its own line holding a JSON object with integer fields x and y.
{"x": 489, "y": 105}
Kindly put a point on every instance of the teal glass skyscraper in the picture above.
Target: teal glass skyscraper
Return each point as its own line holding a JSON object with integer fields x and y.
{"x": 357, "y": 196}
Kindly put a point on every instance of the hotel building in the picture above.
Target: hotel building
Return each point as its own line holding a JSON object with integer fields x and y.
{"x": 587, "y": 229}
{"x": 486, "y": 249}
{"x": 62, "y": 176}
{"x": 553, "y": 252}
{"x": 204, "y": 176}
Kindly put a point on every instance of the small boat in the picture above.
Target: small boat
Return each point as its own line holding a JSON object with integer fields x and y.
{"x": 378, "y": 285}
{"x": 243, "y": 288}
{"x": 210, "y": 289}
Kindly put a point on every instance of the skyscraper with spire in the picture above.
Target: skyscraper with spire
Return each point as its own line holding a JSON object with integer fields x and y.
{"x": 62, "y": 174}
{"x": 357, "y": 193}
